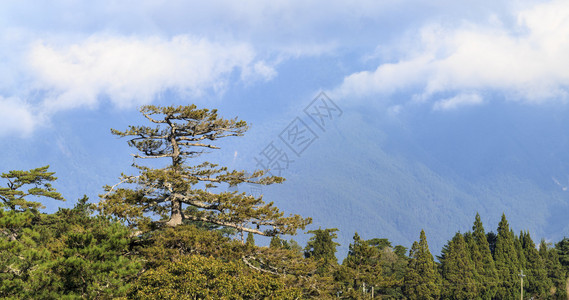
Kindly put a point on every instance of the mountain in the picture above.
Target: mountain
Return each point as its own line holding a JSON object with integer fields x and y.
{"x": 370, "y": 170}
{"x": 390, "y": 177}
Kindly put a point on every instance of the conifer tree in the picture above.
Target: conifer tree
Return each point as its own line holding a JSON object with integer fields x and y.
{"x": 538, "y": 283}
{"x": 400, "y": 251}
{"x": 422, "y": 280}
{"x": 507, "y": 265}
{"x": 322, "y": 248}
{"x": 200, "y": 277}
{"x": 321, "y": 245}
{"x": 563, "y": 252}
{"x": 555, "y": 271}
{"x": 278, "y": 243}
{"x": 458, "y": 271}
{"x": 22, "y": 252}
{"x": 491, "y": 237}
{"x": 250, "y": 242}
{"x": 393, "y": 265}
{"x": 486, "y": 275}
{"x": 69, "y": 254}
{"x": 38, "y": 184}
{"x": 518, "y": 243}
{"x": 180, "y": 192}
{"x": 364, "y": 261}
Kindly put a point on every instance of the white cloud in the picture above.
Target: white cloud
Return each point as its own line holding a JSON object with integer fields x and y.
{"x": 526, "y": 62}
{"x": 17, "y": 117}
{"x": 61, "y": 55}
{"x": 132, "y": 70}
{"x": 457, "y": 101}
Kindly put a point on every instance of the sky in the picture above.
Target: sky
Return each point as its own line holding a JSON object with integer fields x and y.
{"x": 70, "y": 70}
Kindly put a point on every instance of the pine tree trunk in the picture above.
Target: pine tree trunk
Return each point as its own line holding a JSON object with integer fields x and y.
{"x": 176, "y": 216}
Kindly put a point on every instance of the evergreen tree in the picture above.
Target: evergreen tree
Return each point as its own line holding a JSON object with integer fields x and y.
{"x": 400, "y": 251}
{"x": 322, "y": 248}
{"x": 364, "y": 262}
{"x": 278, "y": 243}
{"x": 393, "y": 264}
{"x": 484, "y": 267}
{"x": 458, "y": 271}
{"x": 518, "y": 244}
{"x": 24, "y": 261}
{"x": 555, "y": 271}
{"x": 67, "y": 254}
{"x": 422, "y": 280}
{"x": 379, "y": 244}
{"x": 491, "y": 237}
{"x": 538, "y": 283}
{"x": 563, "y": 252}
{"x": 199, "y": 277}
{"x": 38, "y": 184}
{"x": 180, "y": 192}
{"x": 507, "y": 265}
{"x": 250, "y": 242}
{"x": 295, "y": 247}
{"x": 96, "y": 261}
{"x": 321, "y": 245}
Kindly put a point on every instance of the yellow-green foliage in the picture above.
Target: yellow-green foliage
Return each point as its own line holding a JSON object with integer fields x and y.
{"x": 179, "y": 191}
{"x": 199, "y": 277}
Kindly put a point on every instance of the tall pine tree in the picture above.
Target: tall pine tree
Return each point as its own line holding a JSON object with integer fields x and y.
{"x": 322, "y": 248}
{"x": 179, "y": 192}
{"x": 422, "y": 279}
{"x": 485, "y": 269}
{"x": 555, "y": 271}
{"x": 563, "y": 252}
{"x": 363, "y": 260}
{"x": 507, "y": 264}
{"x": 458, "y": 271}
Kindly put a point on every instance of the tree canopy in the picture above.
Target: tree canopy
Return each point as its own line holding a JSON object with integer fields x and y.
{"x": 168, "y": 231}
{"x": 38, "y": 184}
{"x": 180, "y": 192}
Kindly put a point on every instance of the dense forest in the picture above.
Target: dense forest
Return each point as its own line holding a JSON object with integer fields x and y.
{"x": 173, "y": 232}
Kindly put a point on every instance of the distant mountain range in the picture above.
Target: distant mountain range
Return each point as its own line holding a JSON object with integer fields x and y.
{"x": 385, "y": 176}
{"x": 389, "y": 177}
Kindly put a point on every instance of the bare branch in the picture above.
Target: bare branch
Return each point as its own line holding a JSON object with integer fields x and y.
{"x": 246, "y": 261}
{"x": 153, "y": 120}
{"x": 151, "y": 156}
{"x": 198, "y": 145}
{"x": 112, "y": 188}
{"x": 196, "y": 203}
{"x": 192, "y": 139}
{"x": 151, "y": 137}
{"x": 226, "y": 224}
{"x": 201, "y": 178}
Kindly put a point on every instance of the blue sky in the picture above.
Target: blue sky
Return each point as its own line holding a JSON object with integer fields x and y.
{"x": 70, "y": 70}
{"x": 61, "y": 56}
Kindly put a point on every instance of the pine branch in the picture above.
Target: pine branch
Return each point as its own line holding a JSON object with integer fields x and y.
{"x": 227, "y": 224}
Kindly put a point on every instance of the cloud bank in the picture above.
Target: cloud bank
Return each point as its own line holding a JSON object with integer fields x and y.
{"x": 126, "y": 71}
{"x": 64, "y": 55}
{"x": 17, "y": 117}
{"x": 132, "y": 71}
{"x": 527, "y": 61}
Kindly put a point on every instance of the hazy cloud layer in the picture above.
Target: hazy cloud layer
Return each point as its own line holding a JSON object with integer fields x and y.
{"x": 458, "y": 101}
{"x": 526, "y": 61}
{"x": 55, "y": 75}
{"x": 134, "y": 70}
{"x": 61, "y": 55}
{"x": 17, "y": 117}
